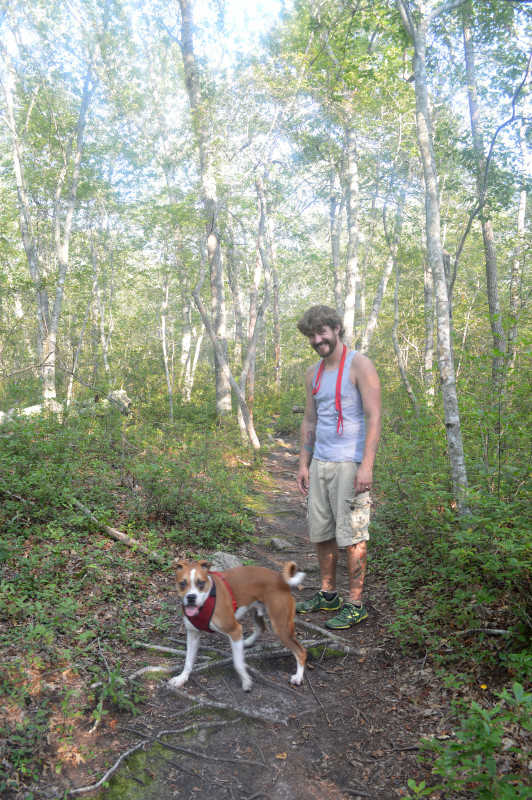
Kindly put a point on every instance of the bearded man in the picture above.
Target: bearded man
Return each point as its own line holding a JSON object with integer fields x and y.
{"x": 340, "y": 436}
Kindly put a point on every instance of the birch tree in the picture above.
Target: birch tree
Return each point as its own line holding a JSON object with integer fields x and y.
{"x": 200, "y": 119}
{"x": 490, "y": 253}
{"x": 417, "y": 18}
{"x": 48, "y": 259}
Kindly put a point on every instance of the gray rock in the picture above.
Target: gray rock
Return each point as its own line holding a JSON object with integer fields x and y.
{"x": 223, "y": 561}
{"x": 280, "y": 544}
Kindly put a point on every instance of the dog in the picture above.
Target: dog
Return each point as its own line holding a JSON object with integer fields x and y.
{"x": 215, "y": 601}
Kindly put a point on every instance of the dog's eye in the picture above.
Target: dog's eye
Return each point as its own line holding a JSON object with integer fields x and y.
{"x": 182, "y": 584}
{"x": 201, "y": 584}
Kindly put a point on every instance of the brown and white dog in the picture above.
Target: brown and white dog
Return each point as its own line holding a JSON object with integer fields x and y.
{"x": 235, "y": 592}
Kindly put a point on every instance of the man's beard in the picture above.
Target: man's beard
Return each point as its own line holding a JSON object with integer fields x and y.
{"x": 331, "y": 345}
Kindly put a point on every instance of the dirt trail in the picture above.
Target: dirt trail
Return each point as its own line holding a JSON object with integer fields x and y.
{"x": 350, "y": 731}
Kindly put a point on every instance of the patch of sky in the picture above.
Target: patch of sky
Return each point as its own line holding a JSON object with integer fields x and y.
{"x": 236, "y": 30}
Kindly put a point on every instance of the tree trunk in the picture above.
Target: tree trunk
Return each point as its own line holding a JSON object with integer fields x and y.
{"x": 210, "y": 202}
{"x": 490, "y": 255}
{"x": 335, "y": 227}
{"x": 168, "y": 362}
{"x": 78, "y": 348}
{"x": 428, "y": 353}
{"x": 62, "y": 217}
{"x": 435, "y": 256}
{"x": 518, "y": 263}
{"x": 352, "y": 277}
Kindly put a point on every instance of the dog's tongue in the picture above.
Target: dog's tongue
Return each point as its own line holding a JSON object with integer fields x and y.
{"x": 191, "y": 611}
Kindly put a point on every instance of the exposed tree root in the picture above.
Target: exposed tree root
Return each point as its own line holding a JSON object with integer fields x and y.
{"x": 94, "y": 786}
{"x": 204, "y": 703}
{"x": 194, "y": 753}
{"x": 160, "y": 649}
{"x": 339, "y": 643}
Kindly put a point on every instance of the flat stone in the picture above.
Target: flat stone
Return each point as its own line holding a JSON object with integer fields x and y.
{"x": 222, "y": 561}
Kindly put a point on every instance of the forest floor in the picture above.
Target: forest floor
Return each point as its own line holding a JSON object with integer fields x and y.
{"x": 351, "y": 730}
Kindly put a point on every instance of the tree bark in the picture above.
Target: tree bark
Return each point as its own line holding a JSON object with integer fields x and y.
{"x": 517, "y": 302}
{"x": 428, "y": 351}
{"x": 210, "y": 202}
{"x": 168, "y": 361}
{"x": 352, "y": 278}
{"x": 453, "y": 428}
{"x": 490, "y": 254}
{"x": 48, "y": 315}
{"x": 335, "y": 227}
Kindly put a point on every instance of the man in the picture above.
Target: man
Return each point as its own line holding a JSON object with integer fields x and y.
{"x": 340, "y": 436}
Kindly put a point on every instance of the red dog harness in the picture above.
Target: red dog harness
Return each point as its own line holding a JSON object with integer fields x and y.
{"x": 202, "y": 619}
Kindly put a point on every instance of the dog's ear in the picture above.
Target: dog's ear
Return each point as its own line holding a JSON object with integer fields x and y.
{"x": 206, "y": 565}
{"x": 179, "y": 566}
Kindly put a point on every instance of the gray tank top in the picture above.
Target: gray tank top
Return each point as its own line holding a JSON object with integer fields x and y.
{"x": 329, "y": 445}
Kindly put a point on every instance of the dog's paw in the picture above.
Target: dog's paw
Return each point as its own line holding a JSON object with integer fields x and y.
{"x": 178, "y": 681}
{"x": 296, "y": 680}
{"x": 247, "y": 684}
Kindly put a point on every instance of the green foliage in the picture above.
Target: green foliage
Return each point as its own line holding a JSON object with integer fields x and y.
{"x": 452, "y": 578}
{"x": 487, "y": 738}
{"x": 288, "y": 423}
{"x": 69, "y": 598}
{"x": 20, "y": 747}
{"x": 199, "y": 500}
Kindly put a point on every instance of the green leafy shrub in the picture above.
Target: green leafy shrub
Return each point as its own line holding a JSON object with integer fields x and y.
{"x": 488, "y": 745}
{"x": 201, "y": 504}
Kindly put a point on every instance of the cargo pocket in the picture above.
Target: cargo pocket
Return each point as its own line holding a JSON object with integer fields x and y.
{"x": 357, "y": 517}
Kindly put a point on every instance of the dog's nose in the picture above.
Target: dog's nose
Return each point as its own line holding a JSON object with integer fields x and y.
{"x": 191, "y": 598}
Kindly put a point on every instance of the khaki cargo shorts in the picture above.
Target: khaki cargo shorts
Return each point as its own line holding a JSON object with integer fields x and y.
{"x": 333, "y": 509}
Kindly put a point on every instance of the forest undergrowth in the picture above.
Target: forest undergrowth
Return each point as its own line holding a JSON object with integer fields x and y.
{"x": 70, "y": 598}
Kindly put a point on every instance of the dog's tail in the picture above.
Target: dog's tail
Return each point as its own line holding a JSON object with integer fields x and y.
{"x": 291, "y": 575}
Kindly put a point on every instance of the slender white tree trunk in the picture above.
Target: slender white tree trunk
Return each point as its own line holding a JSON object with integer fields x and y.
{"x": 517, "y": 301}
{"x": 455, "y": 446}
{"x": 48, "y": 316}
{"x": 168, "y": 362}
{"x": 352, "y": 277}
{"x": 428, "y": 351}
{"x": 210, "y": 202}
{"x": 490, "y": 254}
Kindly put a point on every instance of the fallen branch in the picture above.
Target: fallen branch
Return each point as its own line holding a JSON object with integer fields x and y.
{"x": 86, "y": 789}
{"x": 144, "y": 670}
{"x": 195, "y": 725}
{"x": 489, "y": 631}
{"x": 160, "y": 648}
{"x": 118, "y": 535}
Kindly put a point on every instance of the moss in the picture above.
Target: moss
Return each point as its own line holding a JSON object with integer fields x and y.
{"x": 330, "y": 652}
{"x": 123, "y": 787}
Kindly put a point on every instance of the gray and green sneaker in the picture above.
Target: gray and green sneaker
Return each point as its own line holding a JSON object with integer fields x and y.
{"x": 319, "y": 603}
{"x": 348, "y": 616}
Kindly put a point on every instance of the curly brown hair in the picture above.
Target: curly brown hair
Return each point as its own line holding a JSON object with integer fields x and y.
{"x": 316, "y": 317}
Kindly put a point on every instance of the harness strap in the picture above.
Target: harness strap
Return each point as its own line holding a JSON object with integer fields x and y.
{"x": 219, "y": 574}
{"x": 338, "y": 395}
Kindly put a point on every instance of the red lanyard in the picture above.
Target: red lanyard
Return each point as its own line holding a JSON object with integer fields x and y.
{"x": 315, "y": 389}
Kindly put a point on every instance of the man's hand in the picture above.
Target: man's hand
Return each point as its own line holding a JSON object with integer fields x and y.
{"x": 302, "y": 479}
{"x": 363, "y": 480}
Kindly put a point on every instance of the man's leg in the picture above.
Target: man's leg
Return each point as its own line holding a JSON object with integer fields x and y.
{"x": 357, "y": 555}
{"x": 322, "y": 522}
{"x": 327, "y": 560}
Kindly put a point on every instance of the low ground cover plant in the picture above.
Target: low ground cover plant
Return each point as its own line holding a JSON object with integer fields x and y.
{"x": 72, "y": 601}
